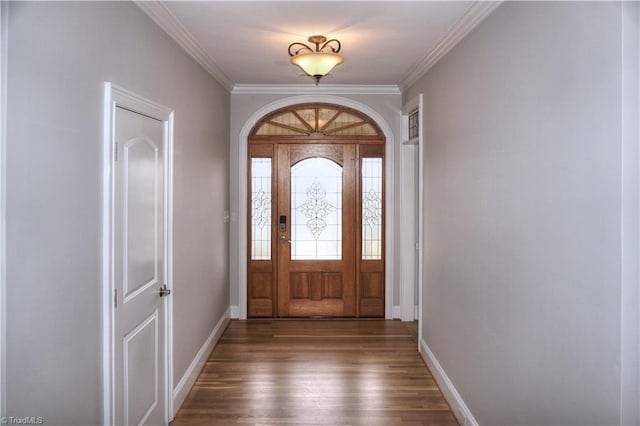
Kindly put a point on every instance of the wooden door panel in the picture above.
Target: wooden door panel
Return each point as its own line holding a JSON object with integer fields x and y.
{"x": 372, "y": 294}
{"x": 300, "y": 284}
{"x": 298, "y": 152}
{"x": 260, "y": 308}
{"x": 310, "y": 266}
{"x": 371, "y": 291}
{"x": 261, "y": 294}
{"x": 324, "y": 308}
{"x": 316, "y": 285}
{"x": 332, "y": 286}
{"x": 261, "y": 288}
{"x": 372, "y": 286}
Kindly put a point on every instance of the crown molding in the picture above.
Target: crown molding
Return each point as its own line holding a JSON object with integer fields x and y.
{"x": 310, "y": 89}
{"x": 166, "y": 20}
{"x": 476, "y": 13}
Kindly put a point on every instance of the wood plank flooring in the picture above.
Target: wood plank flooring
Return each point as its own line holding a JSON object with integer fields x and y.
{"x": 315, "y": 372}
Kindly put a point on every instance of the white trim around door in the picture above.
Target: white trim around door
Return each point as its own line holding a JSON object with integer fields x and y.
{"x": 416, "y": 104}
{"x": 630, "y": 215}
{"x": 4, "y": 21}
{"x": 242, "y": 182}
{"x": 115, "y": 96}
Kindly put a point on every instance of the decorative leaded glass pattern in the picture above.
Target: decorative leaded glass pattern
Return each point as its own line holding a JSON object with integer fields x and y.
{"x": 261, "y": 208}
{"x": 316, "y": 210}
{"x": 372, "y": 208}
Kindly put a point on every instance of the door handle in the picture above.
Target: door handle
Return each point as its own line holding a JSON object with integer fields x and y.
{"x": 283, "y": 239}
{"x": 164, "y": 291}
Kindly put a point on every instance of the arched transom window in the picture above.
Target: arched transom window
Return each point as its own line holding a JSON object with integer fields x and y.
{"x": 316, "y": 120}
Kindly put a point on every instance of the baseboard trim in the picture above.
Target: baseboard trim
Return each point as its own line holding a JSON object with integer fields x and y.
{"x": 395, "y": 312}
{"x": 183, "y": 387}
{"x": 235, "y": 311}
{"x": 457, "y": 404}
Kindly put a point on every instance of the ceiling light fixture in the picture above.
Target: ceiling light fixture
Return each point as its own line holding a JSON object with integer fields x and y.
{"x": 316, "y": 63}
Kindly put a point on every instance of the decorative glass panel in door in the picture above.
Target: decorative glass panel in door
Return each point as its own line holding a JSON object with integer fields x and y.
{"x": 316, "y": 210}
{"x": 317, "y": 222}
{"x": 261, "y": 208}
{"x": 371, "y": 208}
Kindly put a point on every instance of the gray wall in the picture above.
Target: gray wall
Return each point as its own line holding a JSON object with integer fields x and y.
{"x": 59, "y": 55}
{"x": 522, "y": 285}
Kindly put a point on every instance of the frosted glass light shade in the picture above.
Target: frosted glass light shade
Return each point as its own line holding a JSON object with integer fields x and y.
{"x": 317, "y": 64}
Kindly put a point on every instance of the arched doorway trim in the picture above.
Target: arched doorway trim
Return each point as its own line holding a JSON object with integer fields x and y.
{"x": 242, "y": 188}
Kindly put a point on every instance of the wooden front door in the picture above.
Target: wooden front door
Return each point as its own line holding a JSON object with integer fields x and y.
{"x": 316, "y": 230}
{"x": 316, "y": 222}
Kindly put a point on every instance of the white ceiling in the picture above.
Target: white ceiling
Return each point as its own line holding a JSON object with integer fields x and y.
{"x": 383, "y": 42}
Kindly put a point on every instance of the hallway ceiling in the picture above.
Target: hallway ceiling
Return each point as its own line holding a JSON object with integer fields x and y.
{"x": 383, "y": 42}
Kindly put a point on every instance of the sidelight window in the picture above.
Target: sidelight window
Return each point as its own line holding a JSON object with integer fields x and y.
{"x": 261, "y": 208}
{"x": 371, "y": 208}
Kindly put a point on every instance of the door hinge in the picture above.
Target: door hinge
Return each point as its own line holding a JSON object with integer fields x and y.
{"x": 115, "y": 298}
{"x": 115, "y": 152}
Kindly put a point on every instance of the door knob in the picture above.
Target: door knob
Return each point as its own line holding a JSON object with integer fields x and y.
{"x": 283, "y": 239}
{"x": 164, "y": 291}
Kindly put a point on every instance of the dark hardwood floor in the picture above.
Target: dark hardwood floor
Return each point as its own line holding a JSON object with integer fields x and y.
{"x": 316, "y": 372}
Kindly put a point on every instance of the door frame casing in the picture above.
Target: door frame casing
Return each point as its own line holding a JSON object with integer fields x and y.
{"x": 4, "y": 32}
{"x": 630, "y": 215}
{"x": 416, "y": 104}
{"x": 243, "y": 182}
{"x": 115, "y": 96}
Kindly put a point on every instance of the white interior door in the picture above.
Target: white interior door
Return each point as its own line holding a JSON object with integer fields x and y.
{"x": 139, "y": 394}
